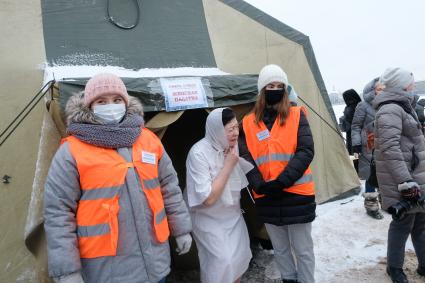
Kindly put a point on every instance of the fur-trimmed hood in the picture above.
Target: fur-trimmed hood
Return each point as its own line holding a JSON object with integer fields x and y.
{"x": 77, "y": 112}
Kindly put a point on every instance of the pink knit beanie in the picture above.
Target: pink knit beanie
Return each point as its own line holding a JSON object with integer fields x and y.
{"x": 101, "y": 84}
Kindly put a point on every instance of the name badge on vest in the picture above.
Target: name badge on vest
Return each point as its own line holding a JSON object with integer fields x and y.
{"x": 263, "y": 135}
{"x": 148, "y": 157}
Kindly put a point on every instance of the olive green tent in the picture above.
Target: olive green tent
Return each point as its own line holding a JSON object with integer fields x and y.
{"x": 230, "y": 36}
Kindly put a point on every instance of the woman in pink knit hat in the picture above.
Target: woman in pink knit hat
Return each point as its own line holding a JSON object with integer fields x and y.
{"x": 111, "y": 196}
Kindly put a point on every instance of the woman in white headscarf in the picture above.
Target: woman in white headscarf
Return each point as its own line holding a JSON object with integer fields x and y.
{"x": 215, "y": 177}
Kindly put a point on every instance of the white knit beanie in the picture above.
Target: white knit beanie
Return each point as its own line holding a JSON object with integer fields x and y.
{"x": 271, "y": 73}
{"x": 396, "y": 78}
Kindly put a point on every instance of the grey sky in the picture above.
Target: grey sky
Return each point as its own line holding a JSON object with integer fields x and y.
{"x": 356, "y": 40}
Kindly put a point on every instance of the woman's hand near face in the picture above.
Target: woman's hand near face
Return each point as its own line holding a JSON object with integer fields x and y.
{"x": 231, "y": 157}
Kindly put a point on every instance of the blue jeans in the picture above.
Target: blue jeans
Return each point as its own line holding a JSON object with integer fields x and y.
{"x": 162, "y": 280}
{"x": 369, "y": 188}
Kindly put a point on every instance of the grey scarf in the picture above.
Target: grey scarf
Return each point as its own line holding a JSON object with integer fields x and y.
{"x": 119, "y": 135}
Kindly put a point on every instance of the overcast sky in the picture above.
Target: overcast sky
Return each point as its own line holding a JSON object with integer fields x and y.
{"x": 356, "y": 40}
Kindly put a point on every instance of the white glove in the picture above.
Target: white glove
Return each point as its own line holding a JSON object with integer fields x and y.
{"x": 70, "y": 278}
{"x": 183, "y": 243}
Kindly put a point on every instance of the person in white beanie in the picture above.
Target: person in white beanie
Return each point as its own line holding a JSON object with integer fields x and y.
{"x": 400, "y": 168}
{"x": 276, "y": 138}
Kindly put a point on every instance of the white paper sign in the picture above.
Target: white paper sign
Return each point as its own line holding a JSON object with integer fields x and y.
{"x": 183, "y": 93}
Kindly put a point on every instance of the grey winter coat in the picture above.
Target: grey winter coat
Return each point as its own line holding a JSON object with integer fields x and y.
{"x": 140, "y": 258}
{"x": 399, "y": 145}
{"x": 361, "y": 125}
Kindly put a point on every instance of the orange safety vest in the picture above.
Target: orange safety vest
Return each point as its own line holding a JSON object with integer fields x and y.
{"x": 272, "y": 150}
{"x": 102, "y": 174}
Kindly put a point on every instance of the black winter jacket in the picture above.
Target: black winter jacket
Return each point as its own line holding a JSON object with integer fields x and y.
{"x": 351, "y": 99}
{"x": 289, "y": 208}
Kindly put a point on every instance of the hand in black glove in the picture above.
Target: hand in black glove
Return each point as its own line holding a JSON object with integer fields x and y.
{"x": 410, "y": 191}
{"x": 271, "y": 188}
{"x": 357, "y": 148}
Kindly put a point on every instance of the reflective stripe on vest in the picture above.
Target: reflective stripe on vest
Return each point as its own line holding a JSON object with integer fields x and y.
{"x": 273, "y": 153}
{"x": 98, "y": 207}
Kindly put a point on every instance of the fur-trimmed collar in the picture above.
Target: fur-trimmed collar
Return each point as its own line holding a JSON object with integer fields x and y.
{"x": 77, "y": 112}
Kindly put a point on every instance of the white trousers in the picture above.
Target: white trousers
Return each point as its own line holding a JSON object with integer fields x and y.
{"x": 293, "y": 251}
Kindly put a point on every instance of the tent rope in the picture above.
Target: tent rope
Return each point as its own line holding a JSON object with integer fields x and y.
{"x": 24, "y": 113}
{"x": 330, "y": 126}
{"x": 321, "y": 118}
{"x": 121, "y": 26}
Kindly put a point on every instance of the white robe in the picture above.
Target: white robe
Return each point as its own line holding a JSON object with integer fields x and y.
{"x": 219, "y": 230}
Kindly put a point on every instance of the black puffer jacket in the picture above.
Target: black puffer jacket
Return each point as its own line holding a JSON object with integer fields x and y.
{"x": 351, "y": 99}
{"x": 289, "y": 208}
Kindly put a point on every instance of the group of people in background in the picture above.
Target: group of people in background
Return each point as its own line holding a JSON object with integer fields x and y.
{"x": 112, "y": 197}
{"x": 386, "y": 130}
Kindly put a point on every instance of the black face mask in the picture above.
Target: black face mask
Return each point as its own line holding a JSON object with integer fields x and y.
{"x": 273, "y": 96}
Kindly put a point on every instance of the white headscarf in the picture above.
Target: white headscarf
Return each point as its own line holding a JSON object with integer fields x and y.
{"x": 215, "y": 134}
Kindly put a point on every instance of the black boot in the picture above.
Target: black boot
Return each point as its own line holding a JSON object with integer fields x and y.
{"x": 397, "y": 275}
{"x": 289, "y": 281}
{"x": 421, "y": 270}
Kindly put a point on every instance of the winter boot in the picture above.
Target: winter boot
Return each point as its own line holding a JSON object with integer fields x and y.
{"x": 397, "y": 275}
{"x": 421, "y": 270}
{"x": 371, "y": 204}
{"x": 375, "y": 214}
{"x": 289, "y": 281}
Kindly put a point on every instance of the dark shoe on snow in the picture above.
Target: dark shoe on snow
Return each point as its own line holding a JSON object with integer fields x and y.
{"x": 289, "y": 281}
{"x": 421, "y": 270}
{"x": 375, "y": 214}
{"x": 397, "y": 275}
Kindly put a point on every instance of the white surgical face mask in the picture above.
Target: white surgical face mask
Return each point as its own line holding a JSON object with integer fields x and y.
{"x": 110, "y": 113}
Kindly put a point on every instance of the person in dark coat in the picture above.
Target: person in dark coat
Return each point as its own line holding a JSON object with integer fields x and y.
{"x": 281, "y": 178}
{"x": 351, "y": 99}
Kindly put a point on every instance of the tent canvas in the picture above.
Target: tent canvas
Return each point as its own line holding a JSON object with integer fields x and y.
{"x": 230, "y": 36}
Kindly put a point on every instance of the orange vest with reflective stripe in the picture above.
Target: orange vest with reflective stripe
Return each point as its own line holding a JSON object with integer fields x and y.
{"x": 102, "y": 174}
{"x": 272, "y": 150}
